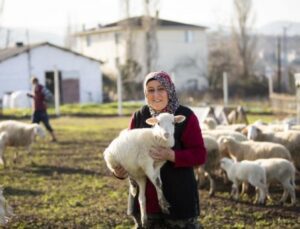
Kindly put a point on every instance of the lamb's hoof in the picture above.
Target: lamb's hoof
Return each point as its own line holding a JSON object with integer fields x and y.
{"x": 164, "y": 206}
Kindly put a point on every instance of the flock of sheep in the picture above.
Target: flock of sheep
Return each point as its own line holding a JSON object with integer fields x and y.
{"x": 258, "y": 154}
{"x": 16, "y": 134}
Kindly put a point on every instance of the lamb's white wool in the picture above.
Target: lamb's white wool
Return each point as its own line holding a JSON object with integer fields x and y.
{"x": 245, "y": 171}
{"x": 131, "y": 150}
{"x": 19, "y": 134}
{"x": 290, "y": 139}
{"x": 5, "y": 210}
{"x": 282, "y": 171}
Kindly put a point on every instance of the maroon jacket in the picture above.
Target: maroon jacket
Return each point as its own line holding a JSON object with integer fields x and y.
{"x": 39, "y": 98}
{"x": 179, "y": 184}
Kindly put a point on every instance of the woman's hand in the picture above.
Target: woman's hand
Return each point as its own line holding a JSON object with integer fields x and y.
{"x": 162, "y": 154}
{"x": 120, "y": 172}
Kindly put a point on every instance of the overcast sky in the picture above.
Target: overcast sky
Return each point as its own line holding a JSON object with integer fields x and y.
{"x": 53, "y": 15}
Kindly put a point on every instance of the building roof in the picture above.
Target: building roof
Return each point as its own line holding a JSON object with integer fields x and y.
{"x": 137, "y": 22}
{"x": 10, "y": 52}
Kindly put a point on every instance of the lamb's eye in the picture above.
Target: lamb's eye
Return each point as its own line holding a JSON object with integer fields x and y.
{"x": 158, "y": 124}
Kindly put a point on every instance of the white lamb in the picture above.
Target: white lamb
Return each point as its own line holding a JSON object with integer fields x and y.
{"x": 131, "y": 150}
{"x": 245, "y": 171}
{"x": 282, "y": 171}
{"x": 18, "y": 134}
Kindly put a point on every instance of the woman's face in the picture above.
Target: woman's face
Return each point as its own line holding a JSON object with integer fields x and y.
{"x": 156, "y": 95}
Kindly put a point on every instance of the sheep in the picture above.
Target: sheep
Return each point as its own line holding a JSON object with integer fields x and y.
{"x": 283, "y": 171}
{"x": 237, "y": 115}
{"x": 245, "y": 171}
{"x": 211, "y": 164}
{"x": 5, "y": 210}
{"x": 251, "y": 150}
{"x": 18, "y": 134}
{"x": 290, "y": 139}
{"x": 131, "y": 150}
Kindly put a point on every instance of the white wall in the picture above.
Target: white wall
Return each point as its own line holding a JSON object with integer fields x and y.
{"x": 47, "y": 58}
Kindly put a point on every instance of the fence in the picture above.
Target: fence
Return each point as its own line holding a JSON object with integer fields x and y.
{"x": 283, "y": 103}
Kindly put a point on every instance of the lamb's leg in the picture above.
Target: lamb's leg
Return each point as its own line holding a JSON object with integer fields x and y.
{"x": 235, "y": 191}
{"x": 262, "y": 187}
{"x": 212, "y": 186}
{"x": 142, "y": 199}
{"x": 154, "y": 176}
{"x": 288, "y": 189}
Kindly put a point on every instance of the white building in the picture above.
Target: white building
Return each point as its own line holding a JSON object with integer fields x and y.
{"x": 80, "y": 77}
{"x": 177, "y": 48}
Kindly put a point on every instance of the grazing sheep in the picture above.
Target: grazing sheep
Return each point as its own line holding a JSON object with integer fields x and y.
{"x": 251, "y": 150}
{"x": 237, "y": 115}
{"x": 211, "y": 165}
{"x": 131, "y": 150}
{"x": 5, "y": 210}
{"x": 290, "y": 139}
{"x": 245, "y": 171}
{"x": 18, "y": 134}
{"x": 283, "y": 171}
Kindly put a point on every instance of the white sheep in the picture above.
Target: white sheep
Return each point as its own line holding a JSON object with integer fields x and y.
{"x": 211, "y": 165}
{"x": 18, "y": 134}
{"x": 131, "y": 150}
{"x": 282, "y": 171}
{"x": 5, "y": 210}
{"x": 290, "y": 139}
{"x": 245, "y": 171}
{"x": 211, "y": 124}
{"x": 252, "y": 150}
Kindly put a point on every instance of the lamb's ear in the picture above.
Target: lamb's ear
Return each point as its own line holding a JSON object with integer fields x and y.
{"x": 179, "y": 118}
{"x": 152, "y": 121}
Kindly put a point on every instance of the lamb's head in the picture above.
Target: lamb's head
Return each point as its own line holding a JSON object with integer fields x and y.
{"x": 38, "y": 130}
{"x": 253, "y": 132}
{"x": 164, "y": 126}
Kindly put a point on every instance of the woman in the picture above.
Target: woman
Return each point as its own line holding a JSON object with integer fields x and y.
{"x": 179, "y": 183}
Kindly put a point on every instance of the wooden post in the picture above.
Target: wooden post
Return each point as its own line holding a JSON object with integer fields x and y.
{"x": 225, "y": 89}
{"x": 297, "y": 84}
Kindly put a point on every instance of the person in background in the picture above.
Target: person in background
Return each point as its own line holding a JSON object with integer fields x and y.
{"x": 40, "y": 107}
{"x": 177, "y": 174}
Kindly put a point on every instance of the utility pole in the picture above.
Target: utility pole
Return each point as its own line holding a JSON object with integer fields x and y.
{"x": 279, "y": 64}
{"x": 285, "y": 74}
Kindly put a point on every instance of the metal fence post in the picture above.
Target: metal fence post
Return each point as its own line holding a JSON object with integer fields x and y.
{"x": 297, "y": 84}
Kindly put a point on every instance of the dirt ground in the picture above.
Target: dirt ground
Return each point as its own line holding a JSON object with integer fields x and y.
{"x": 67, "y": 185}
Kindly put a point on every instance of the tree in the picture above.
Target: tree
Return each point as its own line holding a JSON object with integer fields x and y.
{"x": 245, "y": 43}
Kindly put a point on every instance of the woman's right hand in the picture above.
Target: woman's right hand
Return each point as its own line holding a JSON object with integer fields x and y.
{"x": 120, "y": 172}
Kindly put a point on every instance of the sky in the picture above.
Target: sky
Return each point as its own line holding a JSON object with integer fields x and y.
{"x": 54, "y": 15}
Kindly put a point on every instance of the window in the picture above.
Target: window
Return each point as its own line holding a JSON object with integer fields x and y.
{"x": 188, "y": 36}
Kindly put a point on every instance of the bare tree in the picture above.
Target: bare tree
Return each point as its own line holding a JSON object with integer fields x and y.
{"x": 150, "y": 25}
{"x": 244, "y": 41}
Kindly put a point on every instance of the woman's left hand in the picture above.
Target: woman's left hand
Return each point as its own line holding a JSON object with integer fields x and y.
{"x": 162, "y": 154}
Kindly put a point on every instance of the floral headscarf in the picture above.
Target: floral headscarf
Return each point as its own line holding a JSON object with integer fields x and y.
{"x": 166, "y": 82}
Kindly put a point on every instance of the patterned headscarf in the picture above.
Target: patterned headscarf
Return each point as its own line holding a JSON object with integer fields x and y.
{"x": 166, "y": 81}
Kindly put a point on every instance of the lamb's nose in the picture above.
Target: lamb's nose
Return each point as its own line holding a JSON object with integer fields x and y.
{"x": 167, "y": 135}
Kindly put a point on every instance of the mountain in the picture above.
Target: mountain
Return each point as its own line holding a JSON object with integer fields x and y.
{"x": 13, "y": 35}
{"x": 277, "y": 28}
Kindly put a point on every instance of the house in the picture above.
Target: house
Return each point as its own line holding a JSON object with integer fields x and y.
{"x": 80, "y": 77}
{"x": 153, "y": 44}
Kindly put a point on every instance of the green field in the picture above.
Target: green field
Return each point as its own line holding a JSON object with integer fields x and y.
{"x": 67, "y": 185}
